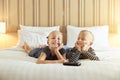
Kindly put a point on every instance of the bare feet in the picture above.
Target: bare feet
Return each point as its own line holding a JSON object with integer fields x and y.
{"x": 42, "y": 46}
{"x": 26, "y": 47}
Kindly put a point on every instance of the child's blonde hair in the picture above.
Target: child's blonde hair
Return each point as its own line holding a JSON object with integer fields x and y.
{"x": 55, "y": 32}
{"x": 87, "y": 31}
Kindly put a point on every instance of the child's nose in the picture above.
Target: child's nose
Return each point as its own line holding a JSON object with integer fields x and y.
{"x": 79, "y": 42}
{"x": 56, "y": 39}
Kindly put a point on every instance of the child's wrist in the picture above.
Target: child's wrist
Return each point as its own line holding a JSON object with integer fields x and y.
{"x": 76, "y": 48}
{"x": 83, "y": 51}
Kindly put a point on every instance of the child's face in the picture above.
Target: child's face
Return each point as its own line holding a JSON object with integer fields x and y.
{"x": 55, "y": 40}
{"x": 84, "y": 38}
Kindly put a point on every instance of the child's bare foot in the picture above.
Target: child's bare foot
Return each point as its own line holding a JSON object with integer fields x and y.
{"x": 26, "y": 47}
{"x": 42, "y": 46}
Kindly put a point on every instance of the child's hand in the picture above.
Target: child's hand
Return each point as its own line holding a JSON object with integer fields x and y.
{"x": 78, "y": 46}
{"x": 85, "y": 48}
{"x": 56, "y": 50}
{"x": 60, "y": 45}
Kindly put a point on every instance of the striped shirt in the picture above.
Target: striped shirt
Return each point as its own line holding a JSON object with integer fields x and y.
{"x": 90, "y": 54}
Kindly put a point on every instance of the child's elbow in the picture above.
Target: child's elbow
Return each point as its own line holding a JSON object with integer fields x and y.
{"x": 96, "y": 58}
{"x": 62, "y": 60}
{"x": 40, "y": 62}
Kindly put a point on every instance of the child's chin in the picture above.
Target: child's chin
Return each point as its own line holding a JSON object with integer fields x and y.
{"x": 55, "y": 46}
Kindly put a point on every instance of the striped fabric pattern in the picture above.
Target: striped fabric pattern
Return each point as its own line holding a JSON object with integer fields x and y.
{"x": 15, "y": 64}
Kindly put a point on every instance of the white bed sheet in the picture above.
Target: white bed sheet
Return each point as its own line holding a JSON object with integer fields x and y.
{"x": 15, "y": 64}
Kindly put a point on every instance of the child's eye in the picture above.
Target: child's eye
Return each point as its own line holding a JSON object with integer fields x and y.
{"x": 78, "y": 38}
{"x": 58, "y": 38}
{"x": 52, "y": 38}
{"x": 82, "y": 39}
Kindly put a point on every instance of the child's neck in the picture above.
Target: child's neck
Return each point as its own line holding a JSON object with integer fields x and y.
{"x": 52, "y": 50}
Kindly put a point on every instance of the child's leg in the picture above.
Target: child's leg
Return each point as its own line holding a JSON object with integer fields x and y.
{"x": 26, "y": 47}
{"x": 35, "y": 52}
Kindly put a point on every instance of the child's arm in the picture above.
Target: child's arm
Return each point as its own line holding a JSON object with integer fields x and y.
{"x": 90, "y": 54}
{"x": 58, "y": 54}
{"x": 41, "y": 59}
{"x": 86, "y": 52}
{"x": 49, "y": 61}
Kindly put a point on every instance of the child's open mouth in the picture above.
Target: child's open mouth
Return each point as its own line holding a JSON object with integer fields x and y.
{"x": 56, "y": 44}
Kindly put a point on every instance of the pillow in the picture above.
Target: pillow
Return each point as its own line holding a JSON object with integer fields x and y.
{"x": 33, "y": 39}
{"x": 39, "y": 29}
{"x": 34, "y": 35}
{"x": 100, "y": 35}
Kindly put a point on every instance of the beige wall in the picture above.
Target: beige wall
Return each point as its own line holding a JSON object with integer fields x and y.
{"x": 60, "y": 12}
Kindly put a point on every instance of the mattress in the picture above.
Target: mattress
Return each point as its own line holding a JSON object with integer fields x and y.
{"x": 15, "y": 64}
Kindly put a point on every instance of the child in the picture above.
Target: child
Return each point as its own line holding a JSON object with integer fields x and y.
{"x": 83, "y": 49}
{"x": 53, "y": 53}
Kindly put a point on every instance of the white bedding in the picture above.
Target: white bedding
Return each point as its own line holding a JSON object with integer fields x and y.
{"x": 15, "y": 64}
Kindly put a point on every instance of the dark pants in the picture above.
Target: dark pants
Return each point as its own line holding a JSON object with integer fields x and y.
{"x": 35, "y": 52}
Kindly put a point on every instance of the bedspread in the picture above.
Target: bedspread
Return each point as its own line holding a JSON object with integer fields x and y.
{"x": 15, "y": 64}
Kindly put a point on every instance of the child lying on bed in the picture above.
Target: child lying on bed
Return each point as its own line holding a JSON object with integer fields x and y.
{"x": 83, "y": 49}
{"x": 53, "y": 53}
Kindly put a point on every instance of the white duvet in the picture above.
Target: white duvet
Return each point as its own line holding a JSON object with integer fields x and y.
{"x": 15, "y": 64}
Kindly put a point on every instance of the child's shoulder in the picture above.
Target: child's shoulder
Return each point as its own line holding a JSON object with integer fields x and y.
{"x": 91, "y": 49}
{"x": 67, "y": 48}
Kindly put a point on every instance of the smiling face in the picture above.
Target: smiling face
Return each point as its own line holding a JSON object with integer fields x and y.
{"x": 55, "y": 38}
{"x": 85, "y": 38}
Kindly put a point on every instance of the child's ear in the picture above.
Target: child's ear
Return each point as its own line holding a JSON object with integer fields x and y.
{"x": 47, "y": 42}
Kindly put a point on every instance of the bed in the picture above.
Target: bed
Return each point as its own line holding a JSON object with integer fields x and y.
{"x": 15, "y": 64}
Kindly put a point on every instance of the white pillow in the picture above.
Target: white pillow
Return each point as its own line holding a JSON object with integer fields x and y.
{"x": 39, "y": 29}
{"x": 33, "y": 39}
{"x": 34, "y": 36}
{"x": 100, "y": 35}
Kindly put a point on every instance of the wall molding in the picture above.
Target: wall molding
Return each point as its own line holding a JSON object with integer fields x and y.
{"x": 70, "y": 12}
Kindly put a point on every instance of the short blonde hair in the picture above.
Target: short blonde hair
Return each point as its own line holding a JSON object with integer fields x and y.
{"x": 87, "y": 31}
{"x": 55, "y": 32}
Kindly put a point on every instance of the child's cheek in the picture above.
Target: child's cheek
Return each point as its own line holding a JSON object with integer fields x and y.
{"x": 80, "y": 43}
{"x": 86, "y": 43}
